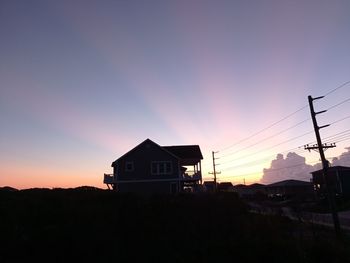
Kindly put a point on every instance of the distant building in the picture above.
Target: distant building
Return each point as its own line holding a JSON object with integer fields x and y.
{"x": 284, "y": 189}
{"x": 338, "y": 178}
{"x": 249, "y": 191}
{"x": 209, "y": 186}
{"x": 151, "y": 168}
{"x": 225, "y": 187}
{"x": 290, "y": 189}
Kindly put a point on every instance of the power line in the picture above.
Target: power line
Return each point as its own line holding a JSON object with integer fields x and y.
{"x": 284, "y": 118}
{"x": 338, "y": 137}
{"x": 336, "y": 105}
{"x": 274, "y": 169}
{"x": 347, "y": 117}
{"x": 266, "y": 128}
{"x": 283, "y": 142}
{"x": 337, "y": 134}
{"x": 259, "y": 162}
{"x": 335, "y": 89}
{"x": 337, "y": 121}
{"x": 345, "y": 139}
{"x": 265, "y": 139}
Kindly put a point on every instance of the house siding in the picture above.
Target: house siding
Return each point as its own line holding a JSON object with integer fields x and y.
{"x": 338, "y": 178}
{"x": 142, "y": 158}
{"x": 146, "y": 169}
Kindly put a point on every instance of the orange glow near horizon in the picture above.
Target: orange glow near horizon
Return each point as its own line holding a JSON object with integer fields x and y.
{"x": 43, "y": 177}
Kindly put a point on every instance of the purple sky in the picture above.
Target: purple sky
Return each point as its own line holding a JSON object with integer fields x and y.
{"x": 82, "y": 82}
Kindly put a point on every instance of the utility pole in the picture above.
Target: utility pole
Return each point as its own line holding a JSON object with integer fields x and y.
{"x": 325, "y": 164}
{"x": 214, "y": 170}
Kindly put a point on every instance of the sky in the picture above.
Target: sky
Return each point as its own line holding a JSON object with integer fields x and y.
{"x": 83, "y": 82}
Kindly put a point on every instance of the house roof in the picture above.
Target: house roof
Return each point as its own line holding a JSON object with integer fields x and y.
{"x": 256, "y": 185}
{"x": 240, "y": 186}
{"x": 138, "y": 146}
{"x": 208, "y": 183}
{"x": 251, "y": 186}
{"x": 225, "y": 185}
{"x": 185, "y": 151}
{"x": 333, "y": 168}
{"x": 191, "y": 153}
{"x": 289, "y": 183}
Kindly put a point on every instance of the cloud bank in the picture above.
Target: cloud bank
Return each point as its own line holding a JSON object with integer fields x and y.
{"x": 343, "y": 159}
{"x": 293, "y": 166}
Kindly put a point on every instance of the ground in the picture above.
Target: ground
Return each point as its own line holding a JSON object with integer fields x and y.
{"x": 92, "y": 224}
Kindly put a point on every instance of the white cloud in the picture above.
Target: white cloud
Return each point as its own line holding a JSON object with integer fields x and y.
{"x": 295, "y": 167}
{"x": 343, "y": 159}
{"x": 291, "y": 167}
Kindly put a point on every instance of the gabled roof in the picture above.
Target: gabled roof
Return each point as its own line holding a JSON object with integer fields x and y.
{"x": 185, "y": 151}
{"x": 182, "y": 152}
{"x": 290, "y": 183}
{"x": 138, "y": 146}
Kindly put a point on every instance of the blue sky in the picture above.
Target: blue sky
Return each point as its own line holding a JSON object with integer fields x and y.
{"x": 82, "y": 82}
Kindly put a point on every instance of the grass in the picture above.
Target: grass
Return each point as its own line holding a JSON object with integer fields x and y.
{"x": 91, "y": 224}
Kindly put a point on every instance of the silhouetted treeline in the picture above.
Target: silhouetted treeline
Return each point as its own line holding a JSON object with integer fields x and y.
{"x": 85, "y": 223}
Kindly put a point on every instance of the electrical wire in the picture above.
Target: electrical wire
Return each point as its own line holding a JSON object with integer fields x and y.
{"x": 260, "y": 161}
{"x": 347, "y": 117}
{"x": 274, "y": 169}
{"x": 265, "y": 139}
{"x": 264, "y": 129}
{"x": 271, "y": 147}
{"x": 339, "y": 137}
{"x": 342, "y": 136}
{"x": 340, "y": 103}
{"x": 335, "y": 89}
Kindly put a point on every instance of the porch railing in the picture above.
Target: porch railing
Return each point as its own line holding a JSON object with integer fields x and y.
{"x": 108, "y": 179}
{"x": 192, "y": 175}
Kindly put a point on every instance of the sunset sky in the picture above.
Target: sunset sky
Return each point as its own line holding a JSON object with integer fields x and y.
{"x": 82, "y": 82}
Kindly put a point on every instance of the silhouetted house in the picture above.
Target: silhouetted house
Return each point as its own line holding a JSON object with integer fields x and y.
{"x": 338, "y": 178}
{"x": 249, "y": 191}
{"x": 290, "y": 189}
{"x": 225, "y": 187}
{"x": 151, "y": 168}
{"x": 209, "y": 186}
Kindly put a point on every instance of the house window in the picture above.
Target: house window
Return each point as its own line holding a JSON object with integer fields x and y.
{"x": 129, "y": 166}
{"x": 160, "y": 168}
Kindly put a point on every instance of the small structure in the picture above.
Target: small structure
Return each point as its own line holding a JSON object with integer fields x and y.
{"x": 249, "y": 191}
{"x": 338, "y": 179}
{"x": 225, "y": 187}
{"x": 290, "y": 189}
{"x": 151, "y": 168}
{"x": 209, "y": 186}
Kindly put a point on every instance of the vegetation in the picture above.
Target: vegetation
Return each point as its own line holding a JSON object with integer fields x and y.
{"x": 91, "y": 224}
